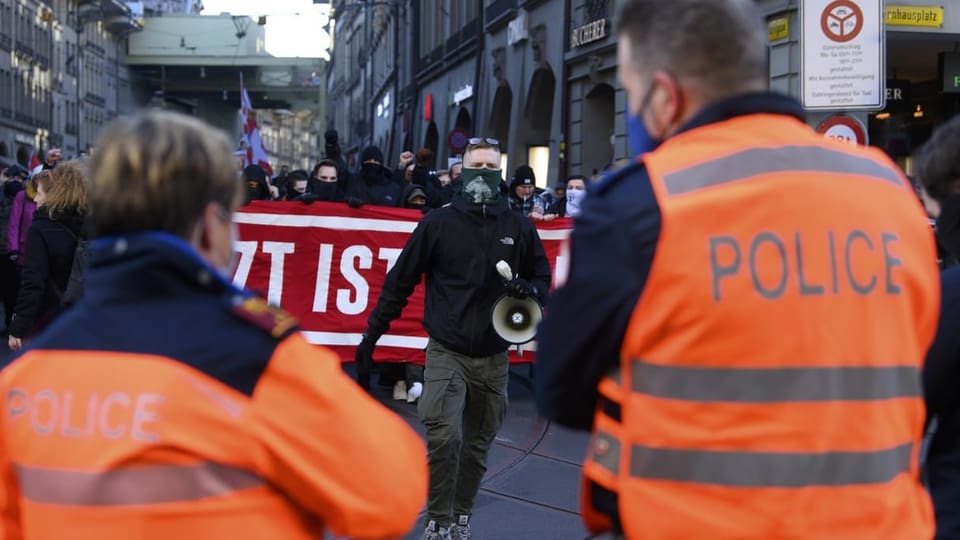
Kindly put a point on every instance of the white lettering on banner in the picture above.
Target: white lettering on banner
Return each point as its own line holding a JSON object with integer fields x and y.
{"x": 364, "y": 258}
{"x": 322, "y": 293}
{"x": 277, "y": 251}
{"x": 561, "y": 267}
{"x": 390, "y": 255}
{"x": 355, "y": 250}
{"x": 118, "y": 414}
{"x": 247, "y": 251}
{"x": 349, "y": 301}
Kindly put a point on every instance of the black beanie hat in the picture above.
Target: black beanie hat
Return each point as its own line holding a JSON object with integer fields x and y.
{"x": 524, "y": 173}
{"x": 254, "y": 172}
{"x": 371, "y": 152}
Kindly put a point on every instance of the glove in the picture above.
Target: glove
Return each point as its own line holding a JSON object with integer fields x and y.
{"x": 424, "y": 155}
{"x": 354, "y": 202}
{"x": 521, "y": 288}
{"x": 308, "y": 198}
{"x": 364, "y": 360}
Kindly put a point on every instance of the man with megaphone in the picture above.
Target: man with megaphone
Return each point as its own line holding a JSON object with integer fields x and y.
{"x": 459, "y": 248}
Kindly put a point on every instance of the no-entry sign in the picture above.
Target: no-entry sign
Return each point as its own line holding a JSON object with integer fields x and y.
{"x": 842, "y": 58}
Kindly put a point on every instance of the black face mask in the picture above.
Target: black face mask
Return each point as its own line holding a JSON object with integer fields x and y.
{"x": 370, "y": 171}
{"x": 948, "y": 225}
{"x": 326, "y": 191}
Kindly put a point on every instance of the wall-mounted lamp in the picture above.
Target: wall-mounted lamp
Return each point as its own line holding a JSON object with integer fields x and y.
{"x": 919, "y": 112}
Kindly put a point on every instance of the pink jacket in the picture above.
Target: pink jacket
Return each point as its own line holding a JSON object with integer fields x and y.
{"x": 21, "y": 216}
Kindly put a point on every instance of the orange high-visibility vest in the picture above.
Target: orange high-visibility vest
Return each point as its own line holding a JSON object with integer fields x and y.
{"x": 106, "y": 444}
{"x": 770, "y": 370}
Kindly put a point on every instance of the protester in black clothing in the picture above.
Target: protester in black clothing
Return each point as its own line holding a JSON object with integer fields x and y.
{"x": 51, "y": 242}
{"x": 457, "y": 248}
{"x": 297, "y": 181}
{"x": 9, "y": 271}
{"x": 374, "y": 185}
{"x": 255, "y": 180}
{"x": 279, "y": 183}
{"x": 426, "y": 178}
{"x": 324, "y": 185}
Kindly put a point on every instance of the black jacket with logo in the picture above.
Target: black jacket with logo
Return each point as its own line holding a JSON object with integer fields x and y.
{"x": 457, "y": 248}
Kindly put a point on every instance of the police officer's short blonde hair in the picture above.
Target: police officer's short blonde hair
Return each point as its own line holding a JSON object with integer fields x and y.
{"x": 157, "y": 171}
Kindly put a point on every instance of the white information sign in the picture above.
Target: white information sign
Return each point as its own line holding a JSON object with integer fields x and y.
{"x": 842, "y": 58}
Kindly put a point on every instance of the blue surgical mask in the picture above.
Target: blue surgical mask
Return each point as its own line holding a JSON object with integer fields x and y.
{"x": 637, "y": 135}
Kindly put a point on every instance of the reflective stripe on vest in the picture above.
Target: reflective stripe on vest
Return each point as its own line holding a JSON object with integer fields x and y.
{"x": 775, "y": 385}
{"x": 754, "y": 161}
{"x": 768, "y": 469}
{"x": 134, "y": 485}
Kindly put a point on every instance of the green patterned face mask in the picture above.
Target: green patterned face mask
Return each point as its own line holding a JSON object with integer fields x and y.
{"x": 480, "y": 185}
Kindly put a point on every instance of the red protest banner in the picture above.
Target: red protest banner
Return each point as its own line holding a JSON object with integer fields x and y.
{"x": 326, "y": 262}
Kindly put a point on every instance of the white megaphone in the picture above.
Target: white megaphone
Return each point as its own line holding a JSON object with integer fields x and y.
{"x": 515, "y": 319}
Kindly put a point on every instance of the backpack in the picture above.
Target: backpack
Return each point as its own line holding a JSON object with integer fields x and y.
{"x": 81, "y": 260}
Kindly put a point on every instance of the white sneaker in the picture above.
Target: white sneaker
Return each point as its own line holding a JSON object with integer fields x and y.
{"x": 400, "y": 390}
{"x": 460, "y": 530}
{"x": 434, "y": 532}
{"x": 414, "y": 393}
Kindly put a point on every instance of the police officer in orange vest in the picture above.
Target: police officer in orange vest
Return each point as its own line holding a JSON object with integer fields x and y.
{"x": 167, "y": 404}
{"x": 747, "y": 308}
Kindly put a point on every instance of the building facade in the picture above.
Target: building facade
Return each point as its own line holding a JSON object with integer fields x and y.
{"x": 195, "y": 64}
{"x": 64, "y": 76}
{"x": 920, "y": 61}
{"x": 504, "y": 69}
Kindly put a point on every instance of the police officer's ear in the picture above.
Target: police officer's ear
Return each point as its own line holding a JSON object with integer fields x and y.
{"x": 670, "y": 105}
{"x": 213, "y": 236}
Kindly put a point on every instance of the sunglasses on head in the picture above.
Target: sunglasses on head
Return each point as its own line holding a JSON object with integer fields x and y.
{"x": 483, "y": 140}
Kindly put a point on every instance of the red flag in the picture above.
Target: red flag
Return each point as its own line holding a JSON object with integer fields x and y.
{"x": 251, "y": 134}
{"x": 35, "y": 164}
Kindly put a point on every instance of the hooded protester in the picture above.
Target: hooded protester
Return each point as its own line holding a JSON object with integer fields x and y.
{"x": 297, "y": 181}
{"x": 255, "y": 181}
{"x": 373, "y": 185}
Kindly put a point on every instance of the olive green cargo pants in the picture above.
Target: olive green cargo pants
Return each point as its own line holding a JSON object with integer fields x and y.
{"x": 463, "y": 405}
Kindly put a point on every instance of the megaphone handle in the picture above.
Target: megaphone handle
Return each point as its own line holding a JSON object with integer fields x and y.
{"x": 503, "y": 268}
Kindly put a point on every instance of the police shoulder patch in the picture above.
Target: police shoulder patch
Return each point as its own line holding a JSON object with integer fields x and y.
{"x": 256, "y": 311}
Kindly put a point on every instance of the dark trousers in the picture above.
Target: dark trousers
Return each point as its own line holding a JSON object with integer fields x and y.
{"x": 463, "y": 405}
{"x": 9, "y": 287}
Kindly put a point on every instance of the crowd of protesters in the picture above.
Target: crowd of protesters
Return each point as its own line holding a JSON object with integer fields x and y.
{"x": 413, "y": 183}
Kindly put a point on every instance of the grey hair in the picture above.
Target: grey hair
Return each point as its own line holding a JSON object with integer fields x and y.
{"x": 718, "y": 45}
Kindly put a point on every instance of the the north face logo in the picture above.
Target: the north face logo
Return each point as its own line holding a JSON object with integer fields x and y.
{"x": 507, "y": 241}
